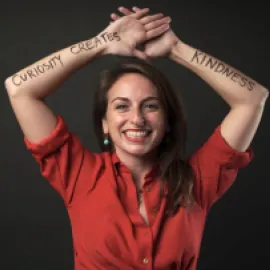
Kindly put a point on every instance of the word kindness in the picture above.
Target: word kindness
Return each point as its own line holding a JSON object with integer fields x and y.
{"x": 202, "y": 59}
{"x": 94, "y": 42}
{"x": 34, "y": 72}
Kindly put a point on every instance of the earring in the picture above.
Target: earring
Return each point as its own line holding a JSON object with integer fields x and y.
{"x": 106, "y": 141}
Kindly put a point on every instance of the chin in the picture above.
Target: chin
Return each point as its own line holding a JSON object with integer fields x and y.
{"x": 139, "y": 151}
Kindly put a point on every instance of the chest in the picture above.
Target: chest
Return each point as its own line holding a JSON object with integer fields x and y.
{"x": 142, "y": 210}
{"x": 109, "y": 224}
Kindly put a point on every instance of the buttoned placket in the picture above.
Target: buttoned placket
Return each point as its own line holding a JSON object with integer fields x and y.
{"x": 152, "y": 210}
{"x": 146, "y": 234}
{"x": 143, "y": 231}
{"x": 145, "y": 238}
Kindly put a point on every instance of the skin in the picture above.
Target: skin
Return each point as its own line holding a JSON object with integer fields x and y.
{"x": 245, "y": 97}
{"x": 135, "y": 113}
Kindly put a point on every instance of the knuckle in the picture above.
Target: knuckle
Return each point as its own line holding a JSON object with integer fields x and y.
{"x": 148, "y": 19}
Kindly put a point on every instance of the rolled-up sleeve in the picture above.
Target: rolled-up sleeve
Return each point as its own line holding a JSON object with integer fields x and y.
{"x": 64, "y": 161}
{"x": 216, "y": 165}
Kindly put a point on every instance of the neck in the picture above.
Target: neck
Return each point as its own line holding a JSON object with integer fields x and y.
{"x": 138, "y": 165}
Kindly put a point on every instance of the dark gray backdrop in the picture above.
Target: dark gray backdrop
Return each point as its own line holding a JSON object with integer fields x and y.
{"x": 34, "y": 226}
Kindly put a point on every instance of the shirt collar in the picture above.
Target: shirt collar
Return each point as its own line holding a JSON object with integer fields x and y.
{"x": 151, "y": 175}
{"x": 118, "y": 165}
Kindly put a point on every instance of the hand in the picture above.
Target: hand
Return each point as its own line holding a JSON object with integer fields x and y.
{"x": 158, "y": 46}
{"x": 133, "y": 30}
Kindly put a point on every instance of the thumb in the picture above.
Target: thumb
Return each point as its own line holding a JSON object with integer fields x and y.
{"x": 140, "y": 54}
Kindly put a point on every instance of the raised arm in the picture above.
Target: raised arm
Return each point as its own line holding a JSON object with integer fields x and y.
{"x": 245, "y": 96}
{"x": 28, "y": 88}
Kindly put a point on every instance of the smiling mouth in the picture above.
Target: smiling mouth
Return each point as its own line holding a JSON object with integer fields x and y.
{"x": 137, "y": 136}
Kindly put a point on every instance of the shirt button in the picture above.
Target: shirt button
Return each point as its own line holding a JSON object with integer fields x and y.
{"x": 145, "y": 260}
{"x": 148, "y": 189}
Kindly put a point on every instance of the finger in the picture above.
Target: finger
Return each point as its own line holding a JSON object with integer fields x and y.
{"x": 140, "y": 14}
{"x": 136, "y": 9}
{"x": 114, "y": 16}
{"x": 157, "y": 31}
{"x": 148, "y": 19}
{"x": 157, "y": 23}
{"x": 125, "y": 11}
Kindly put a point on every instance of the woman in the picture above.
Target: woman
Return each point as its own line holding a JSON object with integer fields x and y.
{"x": 139, "y": 204}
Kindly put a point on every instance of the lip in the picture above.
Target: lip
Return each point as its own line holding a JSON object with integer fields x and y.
{"x": 138, "y": 139}
{"x": 132, "y": 129}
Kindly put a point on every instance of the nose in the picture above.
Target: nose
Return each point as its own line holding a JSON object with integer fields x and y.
{"x": 137, "y": 118}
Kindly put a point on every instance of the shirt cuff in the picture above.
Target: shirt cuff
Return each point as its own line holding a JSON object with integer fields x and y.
{"x": 228, "y": 155}
{"x": 52, "y": 142}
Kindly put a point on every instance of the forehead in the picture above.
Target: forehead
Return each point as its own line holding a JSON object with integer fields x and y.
{"x": 132, "y": 86}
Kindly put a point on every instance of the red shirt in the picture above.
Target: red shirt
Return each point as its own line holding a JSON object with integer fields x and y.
{"x": 100, "y": 197}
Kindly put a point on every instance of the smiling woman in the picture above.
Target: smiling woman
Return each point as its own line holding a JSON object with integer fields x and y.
{"x": 139, "y": 134}
{"x": 135, "y": 96}
{"x": 141, "y": 203}
{"x": 133, "y": 92}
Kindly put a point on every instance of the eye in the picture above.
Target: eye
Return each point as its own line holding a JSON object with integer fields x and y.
{"x": 121, "y": 106}
{"x": 151, "y": 106}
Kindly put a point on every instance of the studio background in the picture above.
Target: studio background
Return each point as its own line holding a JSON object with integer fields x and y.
{"x": 35, "y": 230}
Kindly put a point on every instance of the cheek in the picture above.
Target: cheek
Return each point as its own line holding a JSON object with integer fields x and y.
{"x": 156, "y": 120}
{"x": 115, "y": 121}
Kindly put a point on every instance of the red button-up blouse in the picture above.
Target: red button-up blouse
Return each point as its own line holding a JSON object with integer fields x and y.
{"x": 100, "y": 197}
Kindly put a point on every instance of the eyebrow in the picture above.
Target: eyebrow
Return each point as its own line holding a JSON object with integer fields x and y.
{"x": 126, "y": 99}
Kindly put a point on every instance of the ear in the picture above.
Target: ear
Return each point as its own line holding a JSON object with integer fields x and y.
{"x": 105, "y": 126}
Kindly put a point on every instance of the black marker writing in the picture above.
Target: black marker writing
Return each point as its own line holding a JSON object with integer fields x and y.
{"x": 36, "y": 71}
{"x": 94, "y": 42}
{"x": 202, "y": 59}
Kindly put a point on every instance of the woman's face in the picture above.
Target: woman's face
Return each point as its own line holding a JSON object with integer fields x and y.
{"x": 135, "y": 119}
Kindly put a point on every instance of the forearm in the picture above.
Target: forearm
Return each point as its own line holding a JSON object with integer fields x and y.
{"x": 43, "y": 77}
{"x": 233, "y": 86}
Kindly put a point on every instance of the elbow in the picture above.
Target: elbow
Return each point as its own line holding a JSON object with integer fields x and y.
{"x": 260, "y": 98}
{"x": 263, "y": 96}
{"x": 257, "y": 99}
{"x": 266, "y": 93}
{"x": 6, "y": 83}
{"x": 10, "y": 87}
{"x": 13, "y": 88}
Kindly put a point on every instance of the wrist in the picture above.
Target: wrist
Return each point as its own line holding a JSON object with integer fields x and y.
{"x": 183, "y": 54}
{"x": 177, "y": 49}
{"x": 106, "y": 41}
{"x": 95, "y": 46}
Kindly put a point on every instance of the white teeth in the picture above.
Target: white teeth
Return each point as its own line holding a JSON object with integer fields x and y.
{"x": 136, "y": 134}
